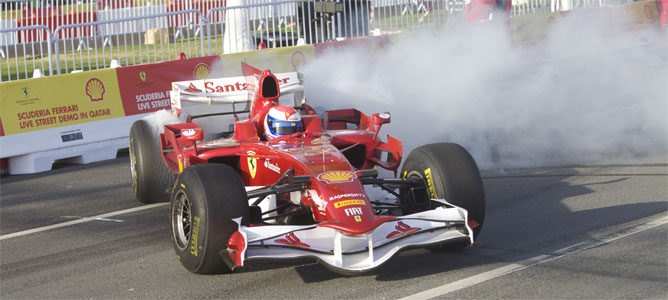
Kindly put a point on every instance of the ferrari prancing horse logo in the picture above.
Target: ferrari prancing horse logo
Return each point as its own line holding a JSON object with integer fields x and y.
{"x": 252, "y": 164}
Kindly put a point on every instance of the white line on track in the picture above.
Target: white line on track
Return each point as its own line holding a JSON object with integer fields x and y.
{"x": 79, "y": 221}
{"x": 95, "y": 219}
{"x": 511, "y": 268}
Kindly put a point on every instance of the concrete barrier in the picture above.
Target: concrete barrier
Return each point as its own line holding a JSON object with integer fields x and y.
{"x": 86, "y": 116}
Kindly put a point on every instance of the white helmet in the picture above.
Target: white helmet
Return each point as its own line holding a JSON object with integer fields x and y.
{"x": 282, "y": 120}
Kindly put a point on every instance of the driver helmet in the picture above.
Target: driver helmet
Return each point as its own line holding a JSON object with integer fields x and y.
{"x": 282, "y": 120}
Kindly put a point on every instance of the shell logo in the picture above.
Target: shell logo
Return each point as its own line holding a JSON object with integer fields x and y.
{"x": 297, "y": 60}
{"x": 95, "y": 89}
{"x": 201, "y": 71}
{"x": 336, "y": 176}
{"x": 648, "y": 12}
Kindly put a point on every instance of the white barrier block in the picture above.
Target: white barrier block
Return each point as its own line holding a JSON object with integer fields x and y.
{"x": 237, "y": 30}
{"x": 37, "y": 73}
{"x": 35, "y": 151}
{"x": 83, "y": 154}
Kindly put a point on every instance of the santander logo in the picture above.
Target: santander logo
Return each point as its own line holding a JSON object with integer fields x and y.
{"x": 401, "y": 230}
{"x": 292, "y": 240}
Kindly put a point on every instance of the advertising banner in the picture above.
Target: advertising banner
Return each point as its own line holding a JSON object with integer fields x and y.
{"x": 145, "y": 88}
{"x": 531, "y": 29}
{"x": 371, "y": 43}
{"x": 637, "y": 15}
{"x": 57, "y": 101}
{"x": 278, "y": 60}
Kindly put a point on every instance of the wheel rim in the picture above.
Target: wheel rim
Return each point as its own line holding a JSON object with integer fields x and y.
{"x": 182, "y": 220}
{"x": 133, "y": 166}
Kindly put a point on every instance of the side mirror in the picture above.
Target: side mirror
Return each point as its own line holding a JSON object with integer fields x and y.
{"x": 192, "y": 134}
{"x": 381, "y": 118}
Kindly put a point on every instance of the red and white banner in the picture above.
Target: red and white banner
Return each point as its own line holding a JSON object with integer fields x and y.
{"x": 146, "y": 88}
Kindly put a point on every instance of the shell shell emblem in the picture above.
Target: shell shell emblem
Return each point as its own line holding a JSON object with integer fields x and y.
{"x": 95, "y": 89}
{"x": 201, "y": 71}
{"x": 297, "y": 60}
{"x": 336, "y": 176}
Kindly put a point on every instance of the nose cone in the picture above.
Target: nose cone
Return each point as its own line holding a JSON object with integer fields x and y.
{"x": 347, "y": 206}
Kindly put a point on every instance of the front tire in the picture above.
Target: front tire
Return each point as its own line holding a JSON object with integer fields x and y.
{"x": 449, "y": 172}
{"x": 205, "y": 200}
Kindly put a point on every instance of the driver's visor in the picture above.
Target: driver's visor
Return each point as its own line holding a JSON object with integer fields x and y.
{"x": 284, "y": 127}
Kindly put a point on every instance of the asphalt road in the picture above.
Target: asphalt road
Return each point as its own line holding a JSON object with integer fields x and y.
{"x": 586, "y": 232}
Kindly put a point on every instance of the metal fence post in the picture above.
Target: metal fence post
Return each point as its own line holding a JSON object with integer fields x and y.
{"x": 56, "y": 50}
{"x": 201, "y": 30}
{"x": 49, "y": 40}
{"x": 208, "y": 29}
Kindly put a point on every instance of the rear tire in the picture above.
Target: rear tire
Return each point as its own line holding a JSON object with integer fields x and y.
{"x": 454, "y": 177}
{"x": 205, "y": 200}
{"x": 151, "y": 179}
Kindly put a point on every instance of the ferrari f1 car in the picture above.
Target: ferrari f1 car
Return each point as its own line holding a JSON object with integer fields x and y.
{"x": 264, "y": 190}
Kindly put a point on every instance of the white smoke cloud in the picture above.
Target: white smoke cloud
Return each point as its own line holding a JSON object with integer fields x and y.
{"x": 159, "y": 119}
{"x": 586, "y": 94}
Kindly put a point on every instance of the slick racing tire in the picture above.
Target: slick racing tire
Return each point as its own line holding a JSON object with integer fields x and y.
{"x": 205, "y": 200}
{"x": 151, "y": 179}
{"x": 449, "y": 172}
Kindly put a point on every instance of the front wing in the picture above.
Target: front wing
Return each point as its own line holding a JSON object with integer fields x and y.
{"x": 350, "y": 253}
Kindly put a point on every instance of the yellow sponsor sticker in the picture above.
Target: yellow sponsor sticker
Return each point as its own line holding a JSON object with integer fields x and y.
{"x": 349, "y": 202}
{"x": 252, "y": 164}
{"x": 336, "y": 176}
{"x": 430, "y": 183}
{"x": 193, "y": 237}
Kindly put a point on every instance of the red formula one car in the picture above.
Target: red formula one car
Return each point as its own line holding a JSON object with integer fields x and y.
{"x": 285, "y": 182}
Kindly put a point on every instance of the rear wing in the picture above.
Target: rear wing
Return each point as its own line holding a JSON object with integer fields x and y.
{"x": 227, "y": 90}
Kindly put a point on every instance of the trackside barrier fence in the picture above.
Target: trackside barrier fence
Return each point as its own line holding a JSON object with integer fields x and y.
{"x": 90, "y": 35}
{"x": 32, "y": 51}
{"x": 131, "y": 48}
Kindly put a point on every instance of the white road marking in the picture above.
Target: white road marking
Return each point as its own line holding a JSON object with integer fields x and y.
{"x": 511, "y": 268}
{"x": 79, "y": 221}
{"x": 94, "y": 219}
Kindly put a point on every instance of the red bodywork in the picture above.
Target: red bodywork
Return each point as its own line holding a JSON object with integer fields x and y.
{"x": 328, "y": 150}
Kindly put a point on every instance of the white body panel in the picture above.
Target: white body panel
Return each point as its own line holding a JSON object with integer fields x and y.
{"x": 227, "y": 90}
{"x": 361, "y": 252}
